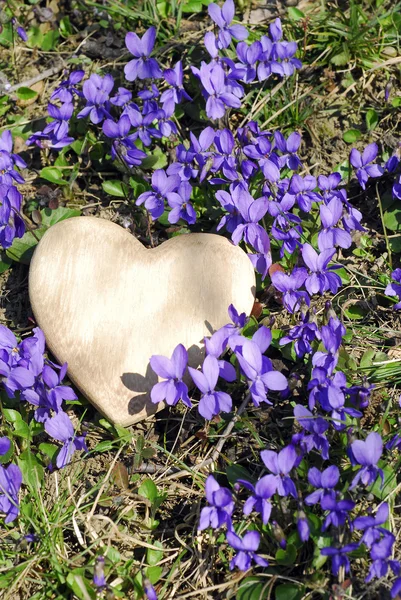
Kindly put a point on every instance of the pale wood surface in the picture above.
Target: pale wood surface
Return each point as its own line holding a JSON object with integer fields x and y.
{"x": 106, "y": 304}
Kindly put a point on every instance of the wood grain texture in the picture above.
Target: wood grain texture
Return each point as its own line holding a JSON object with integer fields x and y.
{"x": 106, "y": 305}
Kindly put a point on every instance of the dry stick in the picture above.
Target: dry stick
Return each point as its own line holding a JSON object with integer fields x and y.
{"x": 229, "y": 428}
{"x": 37, "y": 78}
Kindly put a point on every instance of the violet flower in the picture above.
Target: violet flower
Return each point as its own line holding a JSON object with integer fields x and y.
{"x": 10, "y": 483}
{"x": 303, "y": 526}
{"x": 60, "y": 428}
{"x": 248, "y": 55}
{"x": 262, "y": 491}
{"x": 302, "y": 189}
{"x": 221, "y": 506}
{"x": 172, "y": 369}
{"x": 212, "y": 402}
{"x": 285, "y": 51}
{"x": 371, "y": 526}
{"x": 339, "y": 557}
{"x": 5, "y": 445}
{"x": 324, "y": 481}
{"x": 380, "y": 553}
{"x": 218, "y": 97}
{"x": 258, "y": 369}
{"x": 330, "y": 235}
{"x": 317, "y": 427}
{"x": 321, "y": 277}
{"x": 363, "y": 166}
{"x": 96, "y": 91}
{"x": 180, "y": 204}
{"x": 289, "y": 149}
{"x": 162, "y": 186}
{"x": 142, "y": 66}
{"x": 338, "y": 511}
{"x": 123, "y": 145}
{"x": 281, "y": 464}
{"x": 216, "y": 346}
{"x": 66, "y": 89}
{"x": 394, "y": 289}
{"x": 176, "y": 93}
{"x": 246, "y": 548}
{"x": 303, "y": 335}
{"x": 11, "y": 223}
{"x": 289, "y": 286}
{"x": 367, "y": 453}
{"x": 223, "y": 17}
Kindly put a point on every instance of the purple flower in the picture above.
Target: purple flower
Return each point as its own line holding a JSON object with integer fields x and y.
{"x": 11, "y": 223}
{"x": 172, "y": 369}
{"x": 66, "y": 89}
{"x": 218, "y": 96}
{"x": 184, "y": 165}
{"x": 285, "y": 51}
{"x": 216, "y": 346}
{"x": 6, "y": 147}
{"x": 5, "y": 445}
{"x": 10, "y": 483}
{"x": 142, "y": 65}
{"x": 331, "y": 235}
{"x": 281, "y": 464}
{"x": 289, "y": 149}
{"x": 246, "y": 548}
{"x": 339, "y": 557}
{"x": 180, "y": 205}
{"x": 317, "y": 427}
{"x": 264, "y": 489}
{"x": 363, "y": 166}
{"x": 289, "y": 286}
{"x": 149, "y": 590}
{"x": 99, "y": 579}
{"x": 396, "y": 588}
{"x": 328, "y": 186}
{"x": 123, "y": 145}
{"x": 248, "y": 55}
{"x": 223, "y": 17}
{"x": 338, "y": 511}
{"x": 371, "y": 525}
{"x": 176, "y": 93}
{"x": 324, "y": 481}
{"x": 143, "y": 124}
{"x": 302, "y": 189}
{"x": 321, "y": 278}
{"x": 14, "y": 377}
{"x": 394, "y": 289}
{"x": 162, "y": 186}
{"x": 367, "y": 453}
{"x": 258, "y": 369}
{"x": 380, "y": 554}
{"x": 61, "y": 429}
{"x": 221, "y": 509}
{"x": 96, "y": 91}
{"x": 303, "y": 335}
{"x": 303, "y": 526}
{"x": 211, "y": 402}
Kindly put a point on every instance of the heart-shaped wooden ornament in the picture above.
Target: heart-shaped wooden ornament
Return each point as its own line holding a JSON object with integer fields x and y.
{"x": 106, "y": 304}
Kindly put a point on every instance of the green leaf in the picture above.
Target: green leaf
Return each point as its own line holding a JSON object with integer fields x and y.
{"x": 154, "y": 574}
{"x": 22, "y": 248}
{"x": 65, "y": 27}
{"x": 157, "y": 160}
{"x": 345, "y": 279}
{"x": 104, "y": 446}
{"x": 235, "y": 472}
{"x": 25, "y": 93}
{"x": 295, "y": 14}
{"x": 53, "y": 174}
{"x": 367, "y": 358}
{"x": 355, "y": 312}
{"x": 51, "y": 217}
{"x": 11, "y": 415}
{"x": 253, "y": 588}
{"x": 49, "y": 450}
{"x": 390, "y": 483}
{"x": 289, "y": 591}
{"x": 32, "y": 470}
{"x": 49, "y": 40}
{"x": 154, "y": 556}
{"x": 114, "y": 188}
{"x": 395, "y": 244}
{"x": 372, "y": 119}
{"x": 340, "y": 59}
{"x": 81, "y": 586}
{"x": 288, "y": 556}
{"x": 392, "y": 218}
{"x": 148, "y": 490}
{"x": 193, "y": 6}
{"x": 351, "y": 136}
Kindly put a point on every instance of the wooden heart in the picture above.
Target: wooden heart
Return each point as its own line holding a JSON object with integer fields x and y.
{"x": 106, "y": 304}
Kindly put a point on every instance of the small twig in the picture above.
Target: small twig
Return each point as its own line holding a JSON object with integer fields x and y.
{"x": 37, "y": 78}
{"x": 229, "y": 428}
